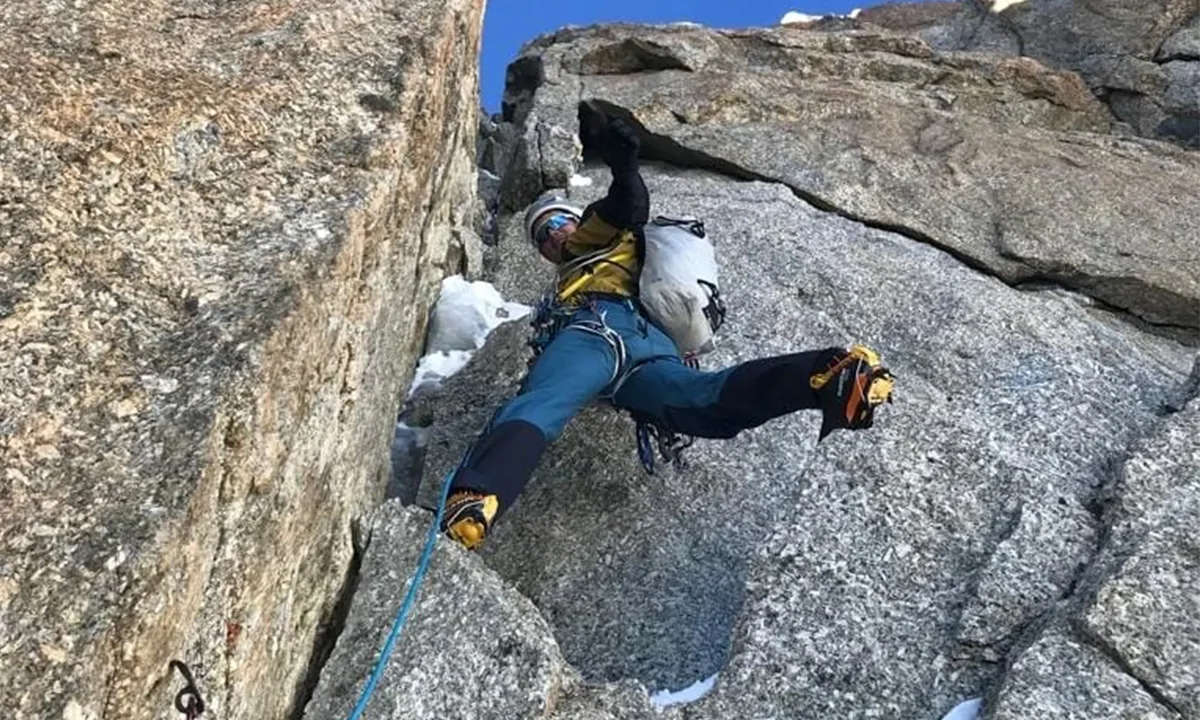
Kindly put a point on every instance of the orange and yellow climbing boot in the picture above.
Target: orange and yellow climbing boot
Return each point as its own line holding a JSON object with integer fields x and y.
{"x": 850, "y": 387}
{"x": 468, "y": 516}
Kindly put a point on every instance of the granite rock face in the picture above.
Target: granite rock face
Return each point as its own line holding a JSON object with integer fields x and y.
{"x": 910, "y": 16}
{"x": 1127, "y": 643}
{"x": 474, "y": 647}
{"x": 223, "y": 224}
{"x": 220, "y": 226}
{"x": 964, "y": 544}
{"x": 1144, "y": 605}
{"x": 883, "y": 572}
{"x": 1060, "y": 678}
{"x": 1183, "y": 45}
{"x": 1003, "y": 162}
{"x": 1121, "y": 48}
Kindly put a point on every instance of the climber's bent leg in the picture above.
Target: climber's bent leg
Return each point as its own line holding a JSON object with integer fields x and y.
{"x": 571, "y": 371}
{"x": 723, "y": 403}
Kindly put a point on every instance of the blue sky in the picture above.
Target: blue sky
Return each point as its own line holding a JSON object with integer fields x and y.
{"x": 508, "y": 24}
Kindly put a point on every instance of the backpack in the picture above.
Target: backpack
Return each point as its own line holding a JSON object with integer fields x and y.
{"x": 678, "y": 286}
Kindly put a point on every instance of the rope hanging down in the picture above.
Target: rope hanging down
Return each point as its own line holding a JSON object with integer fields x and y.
{"x": 406, "y": 606}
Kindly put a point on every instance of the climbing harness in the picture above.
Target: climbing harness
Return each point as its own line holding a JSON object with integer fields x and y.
{"x": 551, "y": 317}
{"x": 599, "y": 327}
{"x": 188, "y": 700}
{"x": 407, "y": 605}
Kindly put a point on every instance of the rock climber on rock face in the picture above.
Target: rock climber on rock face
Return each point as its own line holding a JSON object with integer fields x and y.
{"x": 606, "y": 347}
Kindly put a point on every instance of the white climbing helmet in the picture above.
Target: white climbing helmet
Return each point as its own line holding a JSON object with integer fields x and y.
{"x": 545, "y": 205}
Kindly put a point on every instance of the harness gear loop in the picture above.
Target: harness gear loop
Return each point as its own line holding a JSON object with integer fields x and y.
{"x": 547, "y": 318}
{"x": 188, "y": 700}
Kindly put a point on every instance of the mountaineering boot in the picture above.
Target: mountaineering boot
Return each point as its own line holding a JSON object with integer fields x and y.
{"x": 468, "y": 516}
{"x": 852, "y": 384}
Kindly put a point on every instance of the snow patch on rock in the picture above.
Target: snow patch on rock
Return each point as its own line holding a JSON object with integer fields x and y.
{"x": 463, "y": 317}
{"x": 691, "y": 693}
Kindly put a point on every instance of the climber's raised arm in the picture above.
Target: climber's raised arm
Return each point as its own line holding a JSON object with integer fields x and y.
{"x": 627, "y": 204}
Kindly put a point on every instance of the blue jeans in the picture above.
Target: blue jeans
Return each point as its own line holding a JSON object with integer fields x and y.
{"x": 609, "y": 350}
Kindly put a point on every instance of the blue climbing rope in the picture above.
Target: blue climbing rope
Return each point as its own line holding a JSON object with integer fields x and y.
{"x": 406, "y": 606}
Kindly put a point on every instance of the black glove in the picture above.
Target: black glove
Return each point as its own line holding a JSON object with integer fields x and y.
{"x": 620, "y": 145}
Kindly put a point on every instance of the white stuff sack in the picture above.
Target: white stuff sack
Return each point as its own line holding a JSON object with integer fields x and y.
{"x": 678, "y": 285}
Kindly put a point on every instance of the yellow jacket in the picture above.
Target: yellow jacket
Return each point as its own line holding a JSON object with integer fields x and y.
{"x": 602, "y": 258}
{"x": 604, "y": 254}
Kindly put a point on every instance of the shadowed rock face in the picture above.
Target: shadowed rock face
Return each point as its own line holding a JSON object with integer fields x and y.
{"x": 220, "y": 224}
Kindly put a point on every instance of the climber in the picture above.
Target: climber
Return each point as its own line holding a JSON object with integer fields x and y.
{"x": 605, "y": 347}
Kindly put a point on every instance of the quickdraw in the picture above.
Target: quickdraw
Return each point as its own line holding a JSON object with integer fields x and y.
{"x": 548, "y": 317}
{"x": 670, "y": 444}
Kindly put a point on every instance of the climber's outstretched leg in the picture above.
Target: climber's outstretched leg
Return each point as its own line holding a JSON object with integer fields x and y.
{"x": 845, "y": 385}
{"x": 571, "y": 371}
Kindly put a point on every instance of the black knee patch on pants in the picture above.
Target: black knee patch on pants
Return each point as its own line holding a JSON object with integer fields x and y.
{"x": 502, "y": 461}
{"x": 755, "y": 392}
